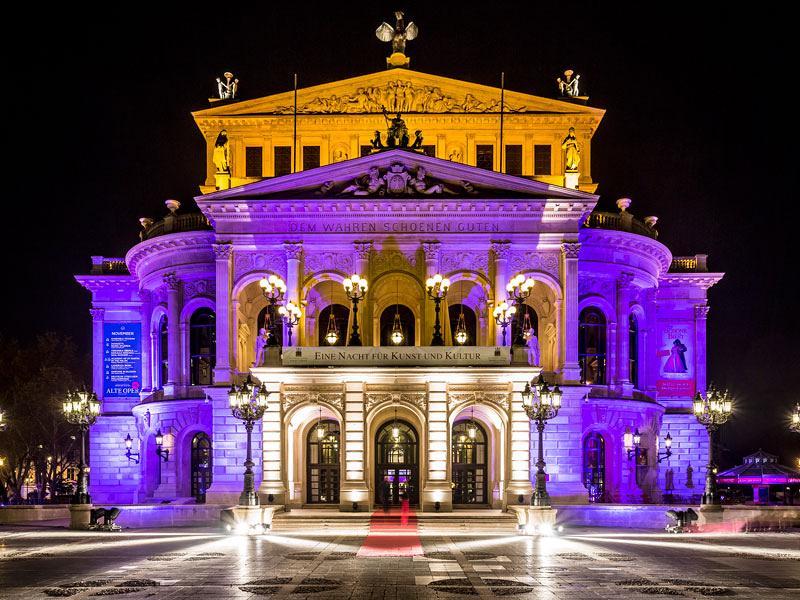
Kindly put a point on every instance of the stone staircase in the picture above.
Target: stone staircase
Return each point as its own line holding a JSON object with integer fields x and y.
{"x": 332, "y": 522}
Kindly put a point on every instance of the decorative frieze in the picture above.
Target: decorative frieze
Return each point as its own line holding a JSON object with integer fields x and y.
{"x": 601, "y": 286}
{"x": 199, "y": 288}
{"x": 394, "y": 260}
{"x": 500, "y": 399}
{"x": 547, "y": 262}
{"x": 465, "y": 261}
{"x": 328, "y": 261}
{"x": 265, "y": 262}
{"x": 418, "y": 399}
{"x": 293, "y": 398}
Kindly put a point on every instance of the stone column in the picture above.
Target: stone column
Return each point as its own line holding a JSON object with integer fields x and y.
{"x": 569, "y": 254}
{"x": 98, "y": 319}
{"x": 273, "y": 472}
{"x": 437, "y": 485}
{"x": 223, "y": 254}
{"x": 624, "y": 291}
{"x": 700, "y": 320}
{"x": 354, "y": 489}
{"x": 519, "y": 484}
{"x": 432, "y": 251}
{"x": 145, "y": 308}
{"x": 293, "y": 276}
{"x": 502, "y": 252}
{"x": 361, "y": 262}
{"x": 173, "y": 330}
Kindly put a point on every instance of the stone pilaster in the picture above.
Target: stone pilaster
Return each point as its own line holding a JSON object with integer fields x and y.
{"x": 624, "y": 292}
{"x": 98, "y": 319}
{"x": 354, "y": 489}
{"x": 501, "y": 252}
{"x": 294, "y": 251}
{"x": 432, "y": 251}
{"x": 223, "y": 254}
{"x": 273, "y": 472}
{"x": 437, "y": 485}
{"x": 145, "y": 309}
{"x": 173, "y": 329}
{"x": 519, "y": 484}
{"x": 569, "y": 255}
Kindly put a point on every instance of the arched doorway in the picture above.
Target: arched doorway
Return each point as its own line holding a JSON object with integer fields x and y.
{"x": 594, "y": 466}
{"x": 407, "y": 323}
{"x": 397, "y": 462}
{"x": 202, "y": 346}
{"x": 469, "y": 463}
{"x": 322, "y": 458}
{"x": 201, "y": 466}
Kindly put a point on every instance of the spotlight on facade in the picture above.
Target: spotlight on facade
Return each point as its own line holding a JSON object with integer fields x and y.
{"x": 795, "y": 425}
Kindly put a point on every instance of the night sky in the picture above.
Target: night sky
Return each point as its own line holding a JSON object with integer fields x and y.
{"x": 698, "y": 131}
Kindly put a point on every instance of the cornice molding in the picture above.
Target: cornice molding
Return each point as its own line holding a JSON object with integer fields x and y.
{"x": 173, "y": 241}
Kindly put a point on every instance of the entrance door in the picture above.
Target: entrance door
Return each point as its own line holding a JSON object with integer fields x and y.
{"x": 594, "y": 466}
{"x": 201, "y": 466}
{"x": 397, "y": 472}
{"x": 323, "y": 463}
{"x": 469, "y": 463}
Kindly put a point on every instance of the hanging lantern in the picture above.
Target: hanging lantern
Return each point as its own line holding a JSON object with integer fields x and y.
{"x": 320, "y": 427}
{"x": 395, "y": 427}
{"x": 526, "y": 323}
{"x": 332, "y": 335}
{"x": 397, "y": 337}
{"x": 461, "y": 336}
{"x": 472, "y": 431}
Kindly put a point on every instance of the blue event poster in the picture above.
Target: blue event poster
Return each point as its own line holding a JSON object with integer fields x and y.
{"x": 122, "y": 359}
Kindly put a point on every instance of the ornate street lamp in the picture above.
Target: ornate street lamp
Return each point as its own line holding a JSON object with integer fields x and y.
{"x": 248, "y": 403}
{"x": 131, "y": 456}
{"x": 81, "y": 408}
{"x": 436, "y": 288}
{"x": 541, "y": 404}
{"x": 794, "y": 426}
{"x": 503, "y": 315}
{"x": 273, "y": 288}
{"x": 290, "y": 313}
{"x": 712, "y": 412}
{"x": 518, "y": 289}
{"x": 356, "y": 289}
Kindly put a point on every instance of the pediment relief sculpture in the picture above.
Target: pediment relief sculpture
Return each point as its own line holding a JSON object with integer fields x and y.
{"x": 398, "y": 96}
{"x": 396, "y": 180}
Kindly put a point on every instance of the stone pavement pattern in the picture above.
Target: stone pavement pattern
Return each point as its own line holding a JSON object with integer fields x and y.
{"x": 577, "y": 564}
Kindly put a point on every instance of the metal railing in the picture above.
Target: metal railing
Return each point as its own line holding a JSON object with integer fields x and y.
{"x": 624, "y": 221}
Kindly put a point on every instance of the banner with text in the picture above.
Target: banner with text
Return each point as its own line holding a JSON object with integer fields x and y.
{"x": 676, "y": 361}
{"x": 411, "y": 356}
{"x": 122, "y": 359}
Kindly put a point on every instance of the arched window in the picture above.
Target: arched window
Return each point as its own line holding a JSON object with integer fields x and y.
{"x": 592, "y": 346}
{"x": 341, "y": 314}
{"x": 469, "y": 463}
{"x": 407, "y": 323}
{"x": 202, "y": 346}
{"x": 397, "y": 469}
{"x": 470, "y": 321}
{"x": 201, "y": 466}
{"x": 594, "y": 466}
{"x": 528, "y": 318}
{"x": 322, "y": 459}
{"x": 163, "y": 351}
{"x": 633, "y": 350}
{"x": 263, "y": 322}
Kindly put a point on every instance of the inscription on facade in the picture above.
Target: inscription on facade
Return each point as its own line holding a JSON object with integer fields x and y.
{"x": 434, "y": 356}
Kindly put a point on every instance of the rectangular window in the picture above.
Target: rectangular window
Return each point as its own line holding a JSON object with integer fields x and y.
{"x": 514, "y": 159}
{"x": 310, "y": 157}
{"x": 366, "y": 150}
{"x": 541, "y": 159}
{"x": 283, "y": 160}
{"x": 484, "y": 156}
{"x": 429, "y": 150}
{"x": 253, "y": 161}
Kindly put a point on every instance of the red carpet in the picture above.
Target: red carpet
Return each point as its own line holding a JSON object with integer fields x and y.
{"x": 392, "y": 534}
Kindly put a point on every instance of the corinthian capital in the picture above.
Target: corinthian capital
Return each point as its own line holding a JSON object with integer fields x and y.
{"x": 171, "y": 281}
{"x": 624, "y": 281}
{"x": 223, "y": 251}
{"x": 701, "y": 311}
{"x": 362, "y": 249}
{"x": 570, "y": 249}
{"x": 293, "y": 250}
{"x": 501, "y": 250}
{"x": 431, "y": 250}
{"x": 97, "y": 313}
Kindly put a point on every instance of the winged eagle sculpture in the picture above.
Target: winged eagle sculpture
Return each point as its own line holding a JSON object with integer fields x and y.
{"x": 398, "y": 35}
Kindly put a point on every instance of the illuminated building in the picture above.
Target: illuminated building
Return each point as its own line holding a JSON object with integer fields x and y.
{"x": 620, "y": 322}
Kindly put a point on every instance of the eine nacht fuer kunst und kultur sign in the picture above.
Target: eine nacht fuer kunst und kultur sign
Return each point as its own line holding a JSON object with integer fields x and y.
{"x": 122, "y": 359}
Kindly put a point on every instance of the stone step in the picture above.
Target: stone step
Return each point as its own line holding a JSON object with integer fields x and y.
{"x": 426, "y": 522}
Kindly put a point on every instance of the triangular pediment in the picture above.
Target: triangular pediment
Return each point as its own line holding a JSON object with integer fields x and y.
{"x": 398, "y": 90}
{"x": 396, "y": 174}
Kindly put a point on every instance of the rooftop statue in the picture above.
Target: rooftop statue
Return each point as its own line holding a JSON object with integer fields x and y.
{"x": 568, "y": 87}
{"x": 397, "y": 133}
{"x": 226, "y": 90}
{"x": 398, "y": 35}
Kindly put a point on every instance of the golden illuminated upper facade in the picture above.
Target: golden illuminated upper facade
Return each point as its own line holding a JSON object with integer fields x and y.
{"x": 460, "y": 121}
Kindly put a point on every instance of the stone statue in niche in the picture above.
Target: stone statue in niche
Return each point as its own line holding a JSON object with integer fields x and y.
{"x": 572, "y": 150}
{"x": 568, "y": 87}
{"x": 222, "y": 153}
{"x": 261, "y": 344}
{"x": 534, "y": 354}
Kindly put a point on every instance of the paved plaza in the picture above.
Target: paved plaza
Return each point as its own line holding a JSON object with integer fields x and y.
{"x": 49, "y": 561}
